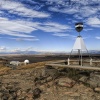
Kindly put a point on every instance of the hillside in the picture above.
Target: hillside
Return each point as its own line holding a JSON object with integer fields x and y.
{"x": 20, "y": 84}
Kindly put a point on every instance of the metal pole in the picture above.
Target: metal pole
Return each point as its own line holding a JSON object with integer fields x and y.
{"x": 70, "y": 53}
{"x": 79, "y": 33}
{"x": 68, "y": 61}
{"x": 91, "y": 62}
{"x": 79, "y": 56}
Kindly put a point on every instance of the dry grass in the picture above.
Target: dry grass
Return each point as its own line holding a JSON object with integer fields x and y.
{"x": 3, "y": 69}
{"x": 33, "y": 65}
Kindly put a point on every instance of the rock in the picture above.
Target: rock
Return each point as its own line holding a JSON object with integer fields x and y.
{"x": 36, "y": 93}
{"x": 97, "y": 89}
{"x": 83, "y": 79}
{"x": 28, "y": 90}
{"x": 92, "y": 84}
{"x": 94, "y": 80}
{"x": 1, "y": 94}
{"x": 9, "y": 87}
{"x": 4, "y": 91}
{"x": 0, "y": 81}
{"x": 21, "y": 98}
{"x": 50, "y": 71}
{"x": 66, "y": 82}
{"x": 14, "y": 96}
{"x": 39, "y": 80}
{"x": 95, "y": 76}
{"x": 43, "y": 81}
{"x": 21, "y": 95}
{"x": 75, "y": 95}
{"x": 12, "y": 91}
{"x": 29, "y": 95}
{"x": 49, "y": 79}
{"x": 19, "y": 92}
{"x": 5, "y": 97}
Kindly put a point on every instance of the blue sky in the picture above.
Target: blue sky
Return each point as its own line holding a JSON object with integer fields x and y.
{"x": 48, "y": 25}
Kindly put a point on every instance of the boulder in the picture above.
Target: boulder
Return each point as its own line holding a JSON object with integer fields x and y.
{"x": 95, "y": 76}
{"x": 97, "y": 89}
{"x": 92, "y": 84}
{"x": 94, "y": 80}
{"x": 66, "y": 82}
{"x": 36, "y": 93}
{"x": 50, "y": 71}
{"x": 83, "y": 79}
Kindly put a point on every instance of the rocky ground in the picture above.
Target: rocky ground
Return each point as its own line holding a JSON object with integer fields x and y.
{"x": 39, "y": 83}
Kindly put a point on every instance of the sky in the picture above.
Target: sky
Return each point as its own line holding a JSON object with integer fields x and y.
{"x": 48, "y": 25}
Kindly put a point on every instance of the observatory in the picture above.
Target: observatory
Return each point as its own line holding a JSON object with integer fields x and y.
{"x": 79, "y": 44}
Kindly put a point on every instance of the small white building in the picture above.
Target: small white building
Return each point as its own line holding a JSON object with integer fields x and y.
{"x": 16, "y": 63}
{"x": 26, "y": 61}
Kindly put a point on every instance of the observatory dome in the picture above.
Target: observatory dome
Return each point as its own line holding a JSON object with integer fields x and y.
{"x": 26, "y": 61}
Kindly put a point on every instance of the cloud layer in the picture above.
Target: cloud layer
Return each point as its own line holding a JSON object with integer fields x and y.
{"x": 20, "y": 9}
{"x": 28, "y": 20}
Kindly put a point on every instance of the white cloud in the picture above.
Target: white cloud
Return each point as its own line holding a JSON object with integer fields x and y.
{"x": 1, "y": 12}
{"x": 53, "y": 27}
{"x": 97, "y": 37}
{"x": 80, "y": 8}
{"x": 26, "y": 39}
{"x": 79, "y": 12}
{"x": 21, "y": 28}
{"x": 22, "y": 38}
{"x": 94, "y": 22}
{"x": 66, "y": 10}
{"x": 20, "y": 9}
{"x": 15, "y": 28}
{"x": 88, "y": 11}
{"x": 64, "y": 35}
{"x": 88, "y": 29}
{"x": 87, "y": 1}
{"x": 21, "y": 50}
{"x": 73, "y": 2}
{"x": 61, "y": 34}
{"x": 16, "y": 50}
{"x": 2, "y": 48}
{"x": 77, "y": 16}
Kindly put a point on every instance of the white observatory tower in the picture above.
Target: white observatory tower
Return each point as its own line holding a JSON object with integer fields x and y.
{"x": 79, "y": 44}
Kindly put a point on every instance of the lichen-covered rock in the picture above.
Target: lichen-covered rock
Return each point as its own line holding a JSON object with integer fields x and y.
{"x": 66, "y": 82}
{"x": 95, "y": 76}
{"x": 83, "y": 79}
{"x": 94, "y": 80}
{"x": 50, "y": 71}
{"x": 36, "y": 93}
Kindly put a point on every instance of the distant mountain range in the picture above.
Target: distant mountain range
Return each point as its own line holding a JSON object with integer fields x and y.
{"x": 21, "y": 52}
{"x": 36, "y": 52}
{"x": 94, "y": 51}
